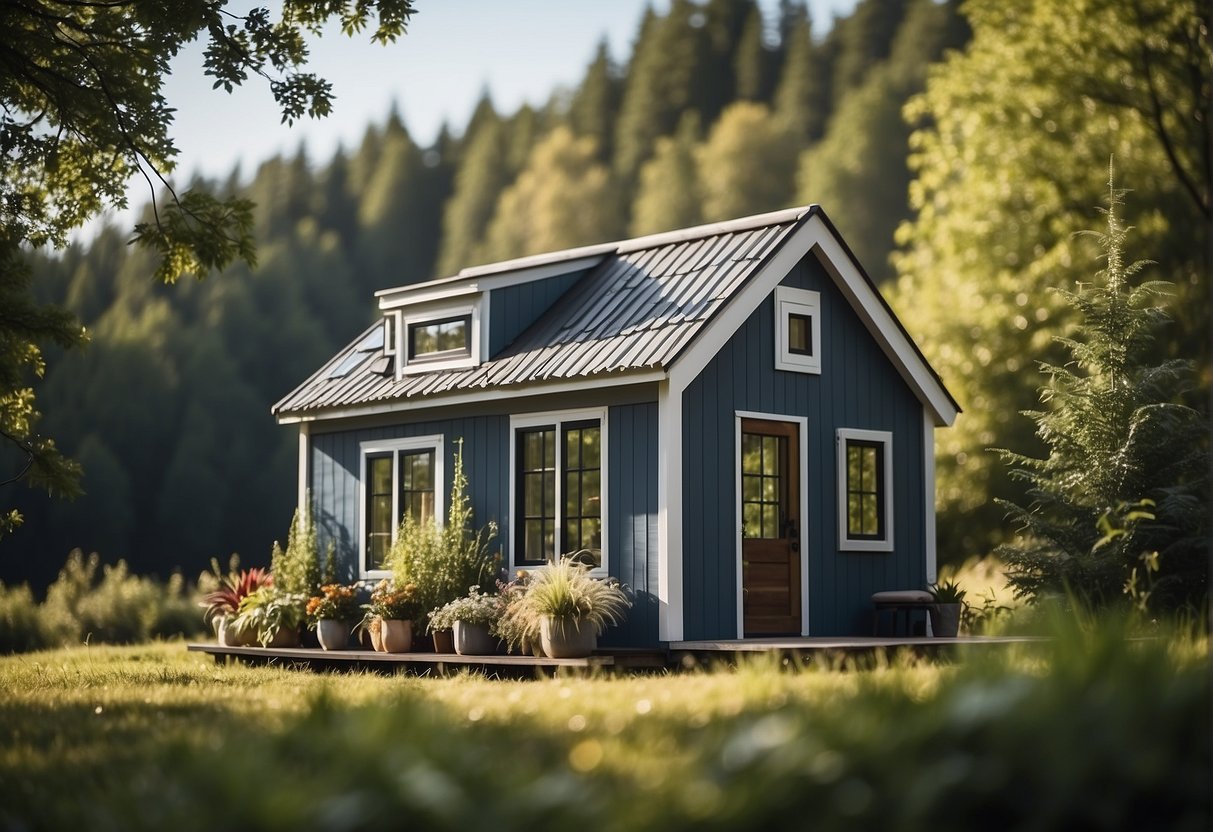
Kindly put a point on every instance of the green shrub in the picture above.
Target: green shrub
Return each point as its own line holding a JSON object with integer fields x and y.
{"x": 444, "y": 562}
{"x": 21, "y": 626}
{"x": 297, "y": 568}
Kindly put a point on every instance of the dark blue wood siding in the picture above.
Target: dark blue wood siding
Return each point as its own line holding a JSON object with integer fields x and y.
{"x": 334, "y": 477}
{"x": 857, "y": 388}
{"x": 631, "y": 497}
{"x": 632, "y": 520}
{"x": 514, "y": 308}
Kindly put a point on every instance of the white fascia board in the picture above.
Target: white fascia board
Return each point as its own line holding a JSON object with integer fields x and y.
{"x": 815, "y": 234}
{"x": 457, "y": 287}
{"x": 305, "y": 432}
{"x": 473, "y": 397}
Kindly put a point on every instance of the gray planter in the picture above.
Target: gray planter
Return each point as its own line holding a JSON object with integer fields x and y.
{"x": 333, "y": 635}
{"x": 474, "y": 639}
{"x": 567, "y": 638}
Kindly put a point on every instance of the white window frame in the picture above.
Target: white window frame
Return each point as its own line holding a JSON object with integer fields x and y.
{"x": 375, "y": 447}
{"x": 556, "y": 420}
{"x": 846, "y": 543}
{"x": 790, "y": 301}
{"x": 407, "y": 321}
{"x": 391, "y": 333}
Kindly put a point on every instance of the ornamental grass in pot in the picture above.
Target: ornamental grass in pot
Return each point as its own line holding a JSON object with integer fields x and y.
{"x": 572, "y": 607}
{"x": 949, "y": 606}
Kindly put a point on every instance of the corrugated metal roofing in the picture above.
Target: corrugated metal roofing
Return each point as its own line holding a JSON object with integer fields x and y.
{"x": 635, "y": 311}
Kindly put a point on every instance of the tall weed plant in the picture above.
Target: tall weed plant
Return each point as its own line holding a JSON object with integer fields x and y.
{"x": 297, "y": 569}
{"x": 445, "y": 561}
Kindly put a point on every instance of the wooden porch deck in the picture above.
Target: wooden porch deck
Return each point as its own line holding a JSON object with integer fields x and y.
{"x": 673, "y": 656}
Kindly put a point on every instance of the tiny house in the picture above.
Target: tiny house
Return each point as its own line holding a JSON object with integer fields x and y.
{"x": 729, "y": 418}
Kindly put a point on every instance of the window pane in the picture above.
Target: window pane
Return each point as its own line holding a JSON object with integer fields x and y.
{"x": 800, "y": 334}
{"x": 549, "y": 541}
{"x": 533, "y": 488}
{"x": 751, "y": 520}
{"x": 770, "y": 521}
{"x": 427, "y": 506}
{"x": 549, "y": 494}
{"x": 572, "y": 494}
{"x": 591, "y": 535}
{"x": 854, "y": 517}
{"x": 751, "y": 488}
{"x": 770, "y": 490}
{"x": 380, "y": 520}
{"x": 549, "y": 449}
{"x": 591, "y": 448}
{"x": 591, "y": 494}
{"x": 534, "y": 541}
{"x": 751, "y": 453}
{"x": 572, "y": 449}
{"x": 770, "y": 455}
{"x": 440, "y": 337}
{"x": 380, "y": 474}
{"x": 532, "y": 455}
{"x": 376, "y": 550}
{"x": 871, "y": 523}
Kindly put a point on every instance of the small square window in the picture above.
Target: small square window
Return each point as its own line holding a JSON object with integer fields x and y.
{"x": 800, "y": 334}
{"x": 797, "y": 330}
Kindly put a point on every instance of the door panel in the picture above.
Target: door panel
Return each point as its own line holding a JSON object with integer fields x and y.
{"x": 770, "y": 514}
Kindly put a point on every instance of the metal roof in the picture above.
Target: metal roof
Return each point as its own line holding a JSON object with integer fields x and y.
{"x": 636, "y": 310}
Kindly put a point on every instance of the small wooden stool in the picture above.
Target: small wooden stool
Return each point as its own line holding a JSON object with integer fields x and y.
{"x": 902, "y": 602}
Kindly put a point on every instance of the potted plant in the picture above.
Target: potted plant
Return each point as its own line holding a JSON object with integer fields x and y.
{"x": 393, "y": 608}
{"x": 223, "y": 603}
{"x": 518, "y": 625}
{"x": 331, "y": 613}
{"x": 472, "y": 620}
{"x": 572, "y": 607}
{"x": 949, "y": 605}
{"x": 272, "y": 616}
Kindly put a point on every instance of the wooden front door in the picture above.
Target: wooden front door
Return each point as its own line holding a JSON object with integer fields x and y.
{"x": 770, "y": 527}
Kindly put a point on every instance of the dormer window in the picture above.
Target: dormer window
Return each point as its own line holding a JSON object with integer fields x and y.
{"x": 437, "y": 340}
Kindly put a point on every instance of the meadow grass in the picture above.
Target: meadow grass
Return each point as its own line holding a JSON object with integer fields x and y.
{"x": 1092, "y": 730}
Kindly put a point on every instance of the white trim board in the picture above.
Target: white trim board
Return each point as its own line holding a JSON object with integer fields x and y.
{"x": 928, "y": 496}
{"x": 670, "y": 624}
{"x": 802, "y": 424}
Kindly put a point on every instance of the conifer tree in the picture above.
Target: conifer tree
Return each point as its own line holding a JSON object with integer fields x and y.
{"x": 752, "y": 66}
{"x": 668, "y": 195}
{"x": 1115, "y": 435}
{"x": 478, "y": 183}
{"x": 561, "y": 199}
{"x": 802, "y": 97}
{"x": 595, "y": 105}
{"x": 747, "y": 165}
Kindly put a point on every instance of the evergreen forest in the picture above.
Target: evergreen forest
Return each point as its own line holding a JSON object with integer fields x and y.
{"x": 956, "y": 147}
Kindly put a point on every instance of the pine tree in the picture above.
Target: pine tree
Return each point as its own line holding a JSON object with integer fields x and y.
{"x": 752, "y": 66}
{"x": 802, "y": 97}
{"x": 668, "y": 195}
{"x": 595, "y": 105}
{"x": 747, "y": 165}
{"x": 478, "y": 183}
{"x": 1115, "y": 436}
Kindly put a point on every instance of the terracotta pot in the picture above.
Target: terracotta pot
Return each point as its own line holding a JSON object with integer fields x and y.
{"x": 474, "y": 639}
{"x": 566, "y": 638}
{"x": 374, "y": 631}
{"x": 333, "y": 635}
{"x": 444, "y": 641}
{"x": 283, "y": 638}
{"x": 396, "y": 635}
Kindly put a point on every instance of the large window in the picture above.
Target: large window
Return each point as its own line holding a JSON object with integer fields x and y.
{"x": 559, "y": 488}
{"x": 437, "y": 340}
{"x": 865, "y": 490}
{"x": 400, "y": 477}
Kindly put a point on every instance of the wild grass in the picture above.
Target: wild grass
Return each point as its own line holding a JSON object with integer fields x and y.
{"x": 1093, "y": 730}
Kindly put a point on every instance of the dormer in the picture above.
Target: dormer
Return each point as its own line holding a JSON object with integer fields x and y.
{"x": 460, "y": 322}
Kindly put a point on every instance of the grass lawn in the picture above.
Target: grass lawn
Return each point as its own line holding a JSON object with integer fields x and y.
{"x": 1089, "y": 732}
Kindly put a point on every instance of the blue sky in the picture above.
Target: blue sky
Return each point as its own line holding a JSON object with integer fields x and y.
{"x": 520, "y": 50}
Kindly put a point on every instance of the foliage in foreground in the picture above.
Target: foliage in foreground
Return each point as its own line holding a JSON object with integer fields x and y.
{"x": 1093, "y": 731}
{"x": 91, "y": 602}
